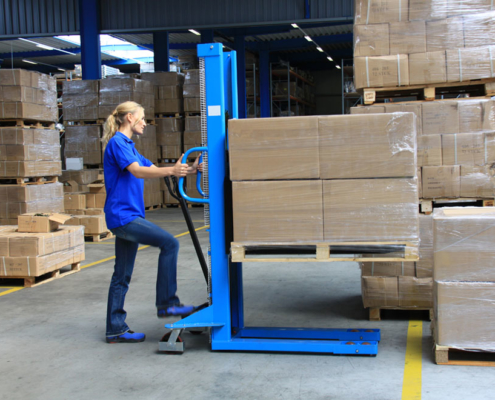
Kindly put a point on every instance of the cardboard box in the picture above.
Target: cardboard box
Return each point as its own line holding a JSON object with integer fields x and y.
{"x": 192, "y": 104}
{"x": 366, "y": 146}
{"x": 368, "y": 110}
{"x": 470, "y": 113}
{"x": 72, "y": 187}
{"x": 464, "y": 315}
{"x": 462, "y": 7}
{"x": 371, "y": 40}
{"x": 169, "y": 139}
{"x": 192, "y": 91}
{"x": 169, "y": 106}
{"x": 381, "y": 71}
{"x": 95, "y": 200}
{"x": 467, "y": 149}
{"x": 29, "y": 152}
{"x": 82, "y": 177}
{"x": 380, "y": 291}
{"x": 16, "y": 109}
{"x": 278, "y": 211}
{"x": 415, "y": 292}
{"x": 440, "y": 117}
{"x": 355, "y": 210}
{"x": 424, "y": 266}
{"x": 441, "y": 182}
{"x": 477, "y": 182}
{"x": 470, "y": 64}
{"x": 191, "y": 77}
{"x": 46, "y": 137}
{"x": 479, "y": 29}
{"x": 193, "y": 124}
{"x": 426, "y": 10}
{"x": 171, "y": 124}
{"x": 426, "y": 230}
{"x": 388, "y": 269}
{"x": 41, "y": 222}
{"x": 274, "y": 148}
{"x": 21, "y": 169}
{"x": 427, "y": 68}
{"x": 93, "y": 224}
{"x": 445, "y": 34}
{"x": 420, "y": 184}
{"x": 407, "y": 37}
{"x": 488, "y": 115}
{"x": 170, "y": 152}
{"x": 163, "y": 78}
{"x": 430, "y": 150}
{"x": 463, "y": 244}
{"x": 379, "y": 11}
{"x": 415, "y": 108}
{"x": 192, "y": 138}
{"x": 74, "y": 201}
{"x": 169, "y": 92}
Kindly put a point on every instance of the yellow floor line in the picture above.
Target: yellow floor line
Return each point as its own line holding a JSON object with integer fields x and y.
{"x": 106, "y": 259}
{"x": 411, "y": 385}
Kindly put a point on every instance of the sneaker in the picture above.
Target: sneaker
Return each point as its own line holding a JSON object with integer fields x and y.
{"x": 176, "y": 310}
{"x": 128, "y": 337}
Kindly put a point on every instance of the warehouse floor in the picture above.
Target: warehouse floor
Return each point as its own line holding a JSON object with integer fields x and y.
{"x": 52, "y": 337}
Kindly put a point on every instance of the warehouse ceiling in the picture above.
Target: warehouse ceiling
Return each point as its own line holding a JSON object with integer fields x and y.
{"x": 50, "y": 54}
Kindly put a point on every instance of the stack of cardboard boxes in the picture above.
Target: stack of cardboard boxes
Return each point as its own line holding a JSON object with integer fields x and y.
{"x": 417, "y": 42}
{"x": 192, "y": 91}
{"x": 26, "y": 99}
{"x": 169, "y": 137}
{"x": 168, "y": 91}
{"x": 456, "y": 145}
{"x": 464, "y": 288}
{"x": 325, "y": 179}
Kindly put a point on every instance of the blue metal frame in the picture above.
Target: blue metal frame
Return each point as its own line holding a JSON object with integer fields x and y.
{"x": 161, "y": 54}
{"x": 225, "y": 314}
{"x": 90, "y": 39}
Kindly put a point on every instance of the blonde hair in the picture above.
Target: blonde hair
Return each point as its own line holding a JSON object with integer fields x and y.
{"x": 117, "y": 118}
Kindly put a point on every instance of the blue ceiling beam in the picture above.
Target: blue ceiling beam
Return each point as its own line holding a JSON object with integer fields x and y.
{"x": 41, "y": 53}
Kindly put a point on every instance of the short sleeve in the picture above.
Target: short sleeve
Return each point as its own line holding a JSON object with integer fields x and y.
{"x": 123, "y": 154}
{"x": 145, "y": 162}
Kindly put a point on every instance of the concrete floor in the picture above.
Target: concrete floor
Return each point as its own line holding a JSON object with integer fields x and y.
{"x": 52, "y": 337}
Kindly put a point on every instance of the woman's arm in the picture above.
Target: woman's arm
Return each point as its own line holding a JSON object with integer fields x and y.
{"x": 153, "y": 171}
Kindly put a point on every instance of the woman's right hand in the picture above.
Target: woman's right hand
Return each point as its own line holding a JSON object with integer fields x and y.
{"x": 180, "y": 170}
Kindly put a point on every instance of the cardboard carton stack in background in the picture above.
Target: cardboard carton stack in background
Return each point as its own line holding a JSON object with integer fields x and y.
{"x": 167, "y": 199}
{"x": 402, "y": 284}
{"x": 416, "y": 42}
{"x": 169, "y": 137}
{"x": 152, "y": 192}
{"x": 146, "y": 144}
{"x": 78, "y": 181}
{"x": 192, "y": 134}
{"x": 192, "y": 91}
{"x": 84, "y": 142}
{"x": 456, "y": 145}
{"x": 80, "y": 100}
{"x": 464, "y": 278}
{"x": 168, "y": 88}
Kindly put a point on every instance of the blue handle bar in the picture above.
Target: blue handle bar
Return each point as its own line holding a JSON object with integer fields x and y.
{"x": 198, "y": 177}
{"x": 181, "y": 180}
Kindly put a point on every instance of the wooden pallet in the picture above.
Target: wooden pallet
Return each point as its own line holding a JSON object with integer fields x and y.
{"x": 87, "y": 122}
{"x": 99, "y": 238}
{"x": 40, "y": 180}
{"x": 31, "y": 281}
{"x": 155, "y": 207}
{"x": 375, "y": 312}
{"x": 167, "y": 115}
{"x": 93, "y": 166}
{"x": 321, "y": 252}
{"x": 428, "y": 205}
{"x": 445, "y": 355}
{"x": 482, "y": 87}
{"x": 26, "y": 123}
{"x": 193, "y": 113}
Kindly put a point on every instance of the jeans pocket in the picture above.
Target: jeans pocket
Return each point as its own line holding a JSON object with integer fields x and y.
{"x": 119, "y": 232}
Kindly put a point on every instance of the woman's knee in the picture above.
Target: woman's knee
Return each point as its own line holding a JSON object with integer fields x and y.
{"x": 171, "y": 244}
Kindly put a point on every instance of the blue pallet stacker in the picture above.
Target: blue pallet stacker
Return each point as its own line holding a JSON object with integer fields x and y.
{"x": 223, "y": 315}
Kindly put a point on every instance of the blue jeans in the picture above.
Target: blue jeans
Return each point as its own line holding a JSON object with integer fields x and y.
{"x": 128, "y": 238}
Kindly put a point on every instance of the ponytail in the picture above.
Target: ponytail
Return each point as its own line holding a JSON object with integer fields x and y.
{"x": 117, "y": 118}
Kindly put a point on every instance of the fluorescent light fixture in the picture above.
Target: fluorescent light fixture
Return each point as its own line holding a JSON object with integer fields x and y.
{"x": 60, "y": 69}
{"x": 45, "y": 47}
{"x": 337, "y": 66}
{"x": 30, "y": 62}
{"x": 330, "y": 58}
{"x": 319, "y": 49}
{"x": 295, "y": 26}
{"x": 195, "y": 32}
{"x": 308, "y": 38}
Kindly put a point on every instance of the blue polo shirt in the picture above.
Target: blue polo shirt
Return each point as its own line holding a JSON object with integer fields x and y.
{"x": 125, "y": 201}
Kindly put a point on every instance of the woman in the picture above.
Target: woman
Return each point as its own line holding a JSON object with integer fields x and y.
{"x": 124, "y": 170}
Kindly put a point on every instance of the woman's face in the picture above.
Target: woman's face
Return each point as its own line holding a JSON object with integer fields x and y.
{"x": 138, "y": 122}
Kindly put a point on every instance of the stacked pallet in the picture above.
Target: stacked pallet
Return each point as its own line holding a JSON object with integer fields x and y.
{"x": 192, "y": 93}
{"x": 30, "y": 161}
{"x": 455, "y": 147}
{"x": 464, "y": 282}
{"x": 418, "y": 42}
{"x": 322, "y": 181}
{"x": 168, "y": 92}
{"x": 36, "y": 250}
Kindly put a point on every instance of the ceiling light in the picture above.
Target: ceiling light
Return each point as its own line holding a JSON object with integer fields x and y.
{"x": 319, "y": 49}
{"x": 295, "y": 26}
{"x": 308, "y": 38}
{"x": 60, "y": 69}
{"x": 45, "y": 47}
{"x": 330, "y": 58}
{"x": 337, "y": 66}
{"x": 195, "y": 32}
{"x": 30, "y": 62}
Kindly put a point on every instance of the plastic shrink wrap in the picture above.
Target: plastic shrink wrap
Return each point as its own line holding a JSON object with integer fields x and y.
{"x": 464, "y": 275}
{"x": 35, "y": 254}
{"x": 419, "y": 42}
{"x": 116, "y": 91}
{"x": 83, "y": 142}
{"x": 80, "y": 100}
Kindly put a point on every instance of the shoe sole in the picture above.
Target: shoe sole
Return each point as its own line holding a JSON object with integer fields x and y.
{"x": 113, "y": 341}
